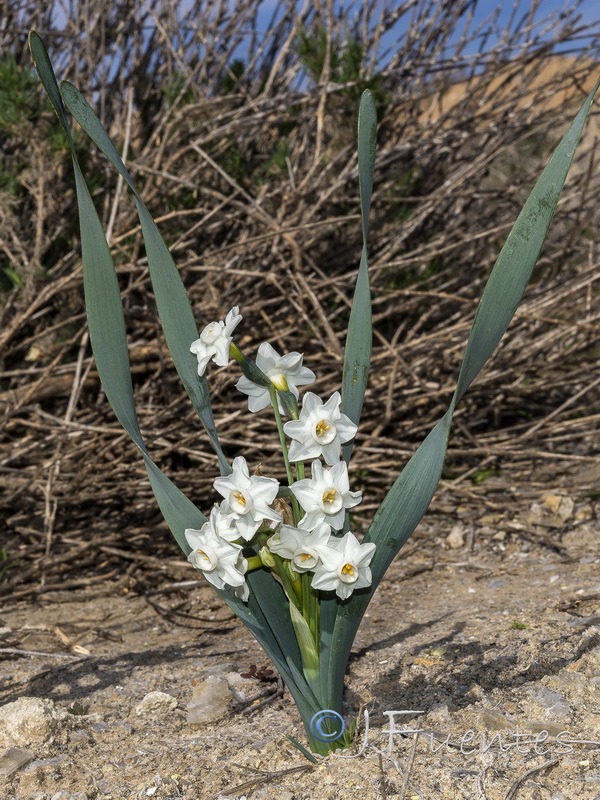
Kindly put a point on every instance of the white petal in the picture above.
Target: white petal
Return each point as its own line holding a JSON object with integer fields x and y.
{"x": 295, "y": 429}
{"x": 345, "y": 428}
{"x": 246, "y": 386}
{"x": 339, "y": 476}
{"x": 305, "y": 494}
{"x": 258, "y": 403}
{"x": 331, "y": 452}
{"x": 241, "y": 473}
{"x": 344, "y": 590}
{"x": 300, "y": 451}
{"x": 332, "y": 405}
{"x": 243, "y": 592}
{"x": 290, "y": 362}
{"x": 221, "y": 347}
{"x": 303, "y": 377}
{"x": 310, "y": 403}
{"x": 266, "y": 357}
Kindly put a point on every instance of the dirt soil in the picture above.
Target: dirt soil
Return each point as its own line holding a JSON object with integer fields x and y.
{"x": 488, "y": 625}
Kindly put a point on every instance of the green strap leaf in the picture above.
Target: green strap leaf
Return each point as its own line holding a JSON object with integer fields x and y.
{"x": 174, "y": 309}
{"x": 107, "y": 325}
{"x": 357, "y": 354}
{"x": 409, "y": 497}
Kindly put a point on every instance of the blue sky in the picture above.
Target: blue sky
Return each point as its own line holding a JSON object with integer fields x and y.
{"x": 588, "y": 9}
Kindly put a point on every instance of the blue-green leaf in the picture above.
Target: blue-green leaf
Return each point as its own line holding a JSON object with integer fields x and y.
{"x": 172, "y": 302}
{"x": 357, "y": 354}
{"x": 411, "y": 494}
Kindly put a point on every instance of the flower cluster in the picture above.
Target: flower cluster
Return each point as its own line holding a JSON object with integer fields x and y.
{"x": 246, "y": 520}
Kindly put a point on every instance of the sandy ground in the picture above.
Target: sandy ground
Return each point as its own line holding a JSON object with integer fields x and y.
{"x": 494, "y": 635}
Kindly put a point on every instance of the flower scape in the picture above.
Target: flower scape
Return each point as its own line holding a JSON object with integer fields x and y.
{"x": 304, "y": 540}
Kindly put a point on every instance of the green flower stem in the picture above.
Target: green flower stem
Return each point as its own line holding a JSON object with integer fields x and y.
{"x": 305, "y": 588}
{"x": 254, "y": 562}
{"x": 292, "y": 588}
{"x": 288, "y": 467}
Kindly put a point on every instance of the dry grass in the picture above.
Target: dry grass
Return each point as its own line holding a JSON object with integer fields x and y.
{"x": 254, "y": 181}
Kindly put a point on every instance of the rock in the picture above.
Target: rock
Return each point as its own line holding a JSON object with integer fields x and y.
{"x": 242, "y": 688}
{"x": 491, "y": 720}
{"x": 210, "y": 701}
{"x": 554, "y": 511}
{"x": 456, "y": 538}
{"x": 583, "y": 513}
{"x": 438, "y": 714}
{"x": 553, "y": 728}
{"x": 13, "y": 760}
{"x": 559, "y": 505}
{"x": 156, "y": 704}
{"x": 29, "y": 720}
{"x": 549, "y": 701}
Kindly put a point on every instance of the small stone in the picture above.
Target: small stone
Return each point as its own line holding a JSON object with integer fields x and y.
{"x": 210, "y": 701}
{"x": 456, "y": 538}
{"x": 99, "y": 727}
{"x": 13, "y": 760}
{"x": 549, "y": 701}
{"x": 438, "y": 714}
{"x": 584, "y": 513}
{"x": 497, "y": 583}
{"x": 125, "y": 726}
{"x": 29, "y": 720}
{"x": 553, "y": 728}
{"x": 559, "y": 505}
{"x": 156, "y": 704}
{"x": 492, "y": 720}
{"x": 491, "y": 519}
{"x": 554, "y": 511}
{"x": 241, "y": 688}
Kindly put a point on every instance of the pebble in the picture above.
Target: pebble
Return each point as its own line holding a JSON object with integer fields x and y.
{"x": 456, "y": 538}
{"x": 156, "y": 704}
{"x": 242, "y": 688}
{"x": 554, "y": 511}
{"x": 492, "y": 720}
{"x": 210, "y": 701}
{"x": 549, "y": 701}
{"x": 12, "y": 760}
{"x": 553, "y": 728}
{"x": 29, "y": 720}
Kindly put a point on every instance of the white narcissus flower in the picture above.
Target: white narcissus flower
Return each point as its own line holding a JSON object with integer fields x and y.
{"x": 343, "y": 566}
{"x": 286, "y": 373}
{"x": 300, "y": 546}
{"x": 247, "y": 498}
{"x": 325, "y": 496}
{"x": 221, "y": 561}
{"x": 321, "y": 429}
{"x": 214, "y": 341}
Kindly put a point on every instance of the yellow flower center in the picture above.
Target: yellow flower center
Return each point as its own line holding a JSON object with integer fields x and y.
{"x": 329, "y": 496}
{"x": 304, "y": 556}
{"x": 322, "y": 427}
{"x": 240, "y": 498}
{"x": 202, "y": 553}
{"x": 347, "y": 569}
